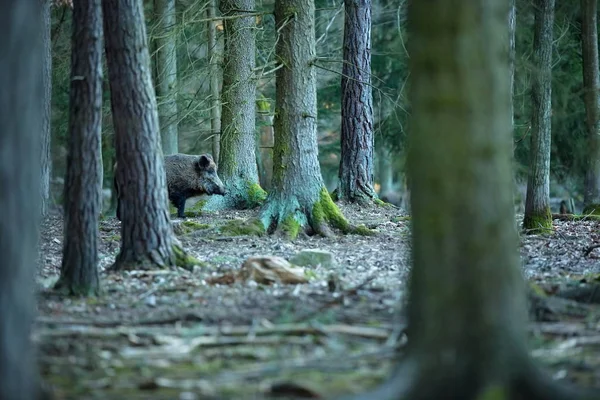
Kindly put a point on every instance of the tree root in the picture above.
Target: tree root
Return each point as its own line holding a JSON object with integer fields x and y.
{"x": 287, "y": 217}
{"x": 522, "y": 381}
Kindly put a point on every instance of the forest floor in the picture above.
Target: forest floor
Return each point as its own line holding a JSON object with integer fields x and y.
{"x": 202, "y": 334}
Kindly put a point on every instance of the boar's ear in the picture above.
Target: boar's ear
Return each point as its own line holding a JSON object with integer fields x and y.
{"x": 204, "y": 161}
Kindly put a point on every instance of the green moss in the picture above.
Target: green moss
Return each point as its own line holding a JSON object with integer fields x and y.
{"x": 493, "y": 392}
{"x": 291, "y": 227}
{"x": 325, "y": 210}
{"x": 537, "y": 289}
{"x": 592, "y": 209}
{"x": 401, "y": 218}
{"x": 194, "y": 226}
{"x": 185, "y": 260}
{"x": 363, "y": 230}
{"x": 253, "y": 227}
{"x": 195, "y": 210}
{"x": 256, "y": 194}
{"x": 538, "y": 223}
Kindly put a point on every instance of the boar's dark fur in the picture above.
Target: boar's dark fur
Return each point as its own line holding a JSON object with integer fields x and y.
{"x": 187, "y": 176}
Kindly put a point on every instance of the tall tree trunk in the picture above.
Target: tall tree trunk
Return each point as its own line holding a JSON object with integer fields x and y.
{"x": 266, "y": 142}
{"x": 147, "y": 237}
{"x": 46, "y": 161}
{"x": 166, "y": 74}
{"x": 591, "y": 84}
{"x": 214, "y": 60}
{"x": 237, "y": 158}
{"x": 21, "y": 121}
{"x": 298, "y": 197}
{"x": 537, "y": 202}
{"x": 466, "y": 307}
{"x": 83, "y": 186}
{"x": 356, "y": 164}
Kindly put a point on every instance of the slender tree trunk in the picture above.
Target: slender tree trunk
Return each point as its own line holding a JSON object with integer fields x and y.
{"x": 147, "y": 237}
{"x": 237, "y": 158}
{"x": 537, "y": 202}
{"x": 466, "y": 307}
{"x": 166, "y": 74}
{"x": 591, "y": 83}
{"x": 385, "y": 169}
{"x": 21, "y": 121}
{"x": 356, "y": 164}
{"x": 298, "y": 197}
{"x": 83, "y": 186}
{"x": 266, "y": 143}
{"x": 46, "y": 161}
{"x": 214, "y": 60}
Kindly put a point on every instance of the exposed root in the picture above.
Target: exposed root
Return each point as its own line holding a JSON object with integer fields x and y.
{"x": 178, "y": 258}
{"x": 289, "y": 218}
{"x": 63, "y": 288}
{"x": 524, "y": 381}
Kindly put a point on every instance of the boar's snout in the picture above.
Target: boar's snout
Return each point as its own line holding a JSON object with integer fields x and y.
{"x": 215, "y": 186}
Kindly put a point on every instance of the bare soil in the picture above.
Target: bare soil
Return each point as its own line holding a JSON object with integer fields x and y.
{"x": 178, "y": 335}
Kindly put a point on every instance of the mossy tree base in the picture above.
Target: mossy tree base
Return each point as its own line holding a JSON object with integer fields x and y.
{"x": 538, "y": 222}
{"x": 240, "y": 196}
{"x": 288, "y": 216}
{"x": 66, "y": 288}
{"x": 178, "y": 257}
{"x": 526, "y": 381}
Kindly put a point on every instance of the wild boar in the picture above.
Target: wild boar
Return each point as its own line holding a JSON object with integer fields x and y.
{"x": 187, "y": 176}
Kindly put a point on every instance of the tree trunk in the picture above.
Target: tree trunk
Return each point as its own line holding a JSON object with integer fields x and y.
{"x": 46, "y": 161}
{"x": 537, "y": 203}
{"x": 214, "y": 60}
{"x": 591, "y": 84}
{"x": 237, "y": 159}
{"x": 147, "y": 237}
{"x": 83, "y": 185}
{"x": 166, "y": 74}
{"x": 356, "y": 164}
{"x": 266, "y": 142}
{"x": 298, "y": 197}
{"x": 21, "y": 121}
{"x": 466, "y": 307}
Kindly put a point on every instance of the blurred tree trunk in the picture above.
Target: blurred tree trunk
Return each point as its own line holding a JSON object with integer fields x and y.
{"x": 537, "y": 203}
{"x": 298, "y": 197}
{"x": 266, "y": 143}
{"x": 147, "y": 237}
{"x": 46, "y": 161}
{"x": 166, "y": 74}
{"x": 22, "y": 116}
{"x": 356, "y": 161}
{"x": 214, "y": 59}
{"x": 591, "y": 84}
{"x": 83, "y": 184}
{"x": 237, "y": 158}
{"x": 466, "y": 306}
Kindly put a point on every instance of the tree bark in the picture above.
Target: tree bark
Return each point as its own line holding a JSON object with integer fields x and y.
{"x": 537, "y": 202}
{"x": 166, "y": 75}
{"x": 591, "y": 84}
{"x": 237, "y": 158}
{"x": 83, "y": 185}
{"x": 466, "y": 308}
{"x": 21, "y": 121}
{"x": 46, "y": 161}
{"x": 146, "y": 233}
{"x": 298, "y": 197}
{"x": 214, "y": 60}
{"x": 356, "y": 164}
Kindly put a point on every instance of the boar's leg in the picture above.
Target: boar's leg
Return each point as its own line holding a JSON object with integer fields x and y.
{"x": 179, "y": 203}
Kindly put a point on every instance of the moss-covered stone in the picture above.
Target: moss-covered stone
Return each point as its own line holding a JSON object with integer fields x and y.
{"x": 592, "y": 209}
{"x": 291, "y": 227}
{"x": 538, "y": 223}
{"x": 252, "y": 227}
